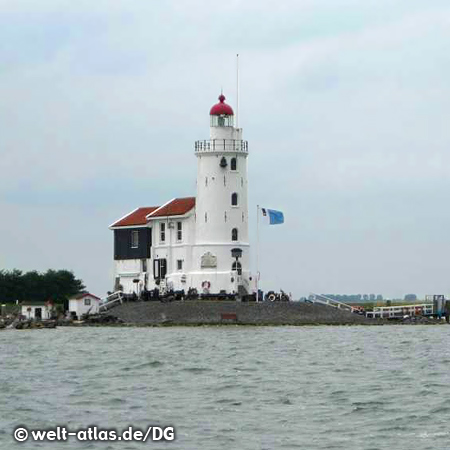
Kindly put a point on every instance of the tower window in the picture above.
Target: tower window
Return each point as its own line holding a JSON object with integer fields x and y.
{"x": 179, "y": 264}
{"x": 206, "y": 217}
{"x": 162, "y": 232}
{"x": 225, "y": 216}
{"x": 234, "y": 234}
{"x": 179, "y": 231}
{"x": 237, "y": 267}
{"x": 234, "y": 199}
{"x": 134, "y": 239}
{"x": 233, "y": 164}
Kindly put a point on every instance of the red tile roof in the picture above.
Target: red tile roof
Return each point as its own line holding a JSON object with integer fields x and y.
{"x": 140, "y": 216}
{"x": 176, "y": 207}
{"x": 136, "y": 217}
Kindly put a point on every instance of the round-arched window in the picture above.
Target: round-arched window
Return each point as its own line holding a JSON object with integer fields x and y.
{"x": 234, "y": 199}
{"x": 233, "y": 164}
{"x": 234, "y": 234}
{"x": 237, "y": 267}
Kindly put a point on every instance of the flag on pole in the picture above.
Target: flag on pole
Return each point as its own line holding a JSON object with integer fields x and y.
{"x": 275, "y": 217}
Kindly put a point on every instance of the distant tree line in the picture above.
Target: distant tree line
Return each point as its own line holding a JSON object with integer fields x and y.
{"x": 356, "y": 298}
{"x": 55, "y": 285}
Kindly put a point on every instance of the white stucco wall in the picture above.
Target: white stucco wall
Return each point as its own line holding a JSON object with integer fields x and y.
{"x": 128, "y": 270}
{"x": 79, "y": 308}
{"x": 32, "y": 314}
{"x": 215, "y": 185}
{"x": 173, "y": 250}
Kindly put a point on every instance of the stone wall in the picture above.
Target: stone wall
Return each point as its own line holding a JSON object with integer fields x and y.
{"x": 218, "y": 312}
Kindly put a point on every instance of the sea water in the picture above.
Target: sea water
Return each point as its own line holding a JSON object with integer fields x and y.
{"x": 232, "y": 387}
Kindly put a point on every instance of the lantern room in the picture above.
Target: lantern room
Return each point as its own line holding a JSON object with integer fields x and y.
{"x": 221, "y": 114}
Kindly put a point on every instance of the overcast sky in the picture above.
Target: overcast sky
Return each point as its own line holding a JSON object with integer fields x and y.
{"x": 345, "y": 104}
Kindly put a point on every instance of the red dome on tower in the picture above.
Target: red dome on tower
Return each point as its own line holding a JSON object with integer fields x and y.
{"x": 221, "y": 108}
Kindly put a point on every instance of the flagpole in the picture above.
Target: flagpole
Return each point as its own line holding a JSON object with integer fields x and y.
{"x": 257, "y": 253}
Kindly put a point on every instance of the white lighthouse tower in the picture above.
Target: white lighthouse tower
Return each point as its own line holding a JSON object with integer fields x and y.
{"x": 221, "y": 212}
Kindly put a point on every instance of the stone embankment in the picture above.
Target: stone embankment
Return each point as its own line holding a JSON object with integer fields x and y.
{"x": 224, "y": 312}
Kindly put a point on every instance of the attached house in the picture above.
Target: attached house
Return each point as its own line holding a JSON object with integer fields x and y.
{"x": 152, "y": 242}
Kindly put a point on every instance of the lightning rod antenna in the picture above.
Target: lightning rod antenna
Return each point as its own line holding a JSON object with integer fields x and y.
{"x": 237, "y": 90}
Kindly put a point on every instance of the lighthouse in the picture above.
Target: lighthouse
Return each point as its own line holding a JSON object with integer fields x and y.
{"x": 222, "y": 206}
{"x": 193, "y": 243}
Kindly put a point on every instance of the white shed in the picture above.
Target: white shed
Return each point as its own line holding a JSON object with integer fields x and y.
{"x": 83, "y": 304}
{"x": 37, "y": 310}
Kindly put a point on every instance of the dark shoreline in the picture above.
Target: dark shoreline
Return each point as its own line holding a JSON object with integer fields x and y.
{"x": 223, "y": 313}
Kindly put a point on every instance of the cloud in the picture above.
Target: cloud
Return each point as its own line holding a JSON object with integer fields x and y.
{"x": 344, "y": 104}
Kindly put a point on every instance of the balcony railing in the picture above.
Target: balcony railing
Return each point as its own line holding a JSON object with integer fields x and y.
{"x": 221, "y": 145}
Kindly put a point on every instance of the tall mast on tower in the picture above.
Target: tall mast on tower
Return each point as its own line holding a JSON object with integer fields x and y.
{"x": 237, "y": 90}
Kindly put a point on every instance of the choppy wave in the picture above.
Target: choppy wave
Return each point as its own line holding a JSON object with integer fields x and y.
{"x": 349, "y": 388}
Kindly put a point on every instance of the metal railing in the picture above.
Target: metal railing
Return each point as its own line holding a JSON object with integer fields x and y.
{"x": 110, "y": 300}
{"x": 221, "y": 145}
{"x": 324, "y": 300}
{"x": 389, "y": 312}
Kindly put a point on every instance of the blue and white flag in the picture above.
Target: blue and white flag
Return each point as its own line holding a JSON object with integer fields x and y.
{"x": 275, "y": 217}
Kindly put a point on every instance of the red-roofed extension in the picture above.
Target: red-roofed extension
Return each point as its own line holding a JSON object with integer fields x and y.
{"x": 176, "y": 207}
{"x": 136, "y": 217}
{"x": 140, "y": 216}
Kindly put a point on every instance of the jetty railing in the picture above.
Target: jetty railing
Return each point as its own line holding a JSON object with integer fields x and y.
{"x": 324, "y": 300}
{"x": 391, "y": 312}
{"x": 111, "y": 300}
